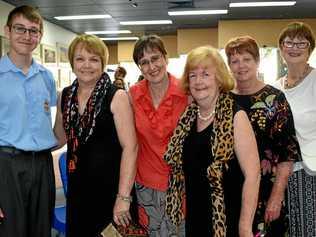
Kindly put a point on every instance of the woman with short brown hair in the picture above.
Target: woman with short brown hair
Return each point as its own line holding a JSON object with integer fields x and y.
{"x": 296, "y": 43}
{"x": 272, "y": 121}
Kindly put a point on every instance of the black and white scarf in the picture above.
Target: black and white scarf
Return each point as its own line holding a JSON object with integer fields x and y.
{"x": 79, "y": 128}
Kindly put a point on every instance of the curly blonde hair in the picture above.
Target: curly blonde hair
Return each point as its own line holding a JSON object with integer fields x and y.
{"x": 202, "y": 56}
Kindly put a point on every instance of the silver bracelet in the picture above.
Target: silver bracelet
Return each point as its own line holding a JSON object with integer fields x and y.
{"x": 124, "y": 198}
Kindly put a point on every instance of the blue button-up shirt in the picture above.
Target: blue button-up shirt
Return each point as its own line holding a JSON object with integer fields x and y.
{"x": 25, "y": 106}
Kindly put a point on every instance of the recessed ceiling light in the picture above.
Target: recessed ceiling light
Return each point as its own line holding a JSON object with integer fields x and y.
{"x": 119, "y": 38}
{"x": 262, "y": 4}
{"x": 108, "y": 32}
{"x": 80, "y": 17}
{"x": 197, "y": 12}
{"x": 159, "y": 22}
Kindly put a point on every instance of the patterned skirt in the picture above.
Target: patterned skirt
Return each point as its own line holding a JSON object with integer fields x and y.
{"x": 302, "y": 204}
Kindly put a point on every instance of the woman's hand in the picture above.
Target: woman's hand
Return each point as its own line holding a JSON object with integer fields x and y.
{"x": 121, "y": 215}
{"x": 273, "y": 209}
{"x": 274, "y": 204}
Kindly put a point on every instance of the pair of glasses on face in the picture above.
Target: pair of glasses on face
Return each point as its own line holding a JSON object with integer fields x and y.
{"x": 300, "y": 45}
{"x": 144, "y": 63}
{"x": 21, "y": 30}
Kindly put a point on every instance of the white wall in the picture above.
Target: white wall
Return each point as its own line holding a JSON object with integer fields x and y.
{"x": 5, "y": 8}
{"x": 52, "y": 33}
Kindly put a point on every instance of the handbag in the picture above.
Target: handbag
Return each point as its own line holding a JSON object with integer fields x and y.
{"x": 110, "y": 231}
{"x": 132, "y": 230}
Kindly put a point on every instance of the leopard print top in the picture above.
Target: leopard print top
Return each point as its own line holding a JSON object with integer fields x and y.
{"x": 222, "y": 149}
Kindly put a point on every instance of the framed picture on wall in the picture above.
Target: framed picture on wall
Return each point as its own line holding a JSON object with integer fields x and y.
{"x": 49, "y": 55}
{"x": 5, "y": 45}
{"x": 62, "y": 55}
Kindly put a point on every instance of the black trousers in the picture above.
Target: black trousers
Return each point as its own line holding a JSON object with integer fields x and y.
{"x": 27, "y": 193}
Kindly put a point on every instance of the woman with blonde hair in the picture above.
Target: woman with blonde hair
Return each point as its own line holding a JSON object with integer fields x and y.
{"x": 212, "y": 146}
{"x": 96, "y": 121}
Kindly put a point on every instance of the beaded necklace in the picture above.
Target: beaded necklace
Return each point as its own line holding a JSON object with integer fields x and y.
{"x": 206, "y": 117}
{"x": 300, "y": 78}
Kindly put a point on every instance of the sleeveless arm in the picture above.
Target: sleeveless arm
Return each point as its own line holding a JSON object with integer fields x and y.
{"x": 125, "y": 127}
{"x": 245, "y": 147}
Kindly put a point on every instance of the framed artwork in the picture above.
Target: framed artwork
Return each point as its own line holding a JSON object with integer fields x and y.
{"x": 62, "y": 55}
{"x": 64, "y": 77}
{"x": 49, "y": 55}
{"x": 37, "y": 54}
{"x": 5, "y": 45}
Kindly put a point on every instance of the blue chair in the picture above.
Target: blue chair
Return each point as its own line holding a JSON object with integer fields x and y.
{"x": 60, "y": 211}
{"x": 63, "y": 170}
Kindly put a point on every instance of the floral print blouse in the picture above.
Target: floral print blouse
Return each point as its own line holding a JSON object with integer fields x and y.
{"x": 272, "y": 122}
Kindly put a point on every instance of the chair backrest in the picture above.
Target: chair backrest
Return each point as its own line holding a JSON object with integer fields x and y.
{"x": 63, "y": 170}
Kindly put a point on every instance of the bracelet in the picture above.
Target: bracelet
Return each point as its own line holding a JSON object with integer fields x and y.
{"x": 124, "y": 198}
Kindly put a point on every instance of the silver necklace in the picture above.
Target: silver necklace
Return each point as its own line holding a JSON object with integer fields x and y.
{"x": 206, "y": 117}
{"x": 287, "y": 85}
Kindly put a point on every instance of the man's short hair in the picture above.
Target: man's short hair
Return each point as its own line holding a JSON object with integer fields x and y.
{"x": 28, "y": 12}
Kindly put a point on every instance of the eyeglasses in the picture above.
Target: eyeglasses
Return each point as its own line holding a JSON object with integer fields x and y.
{"x": 22, "y": 30}
{"x": 299, "y": 45}
{"x": 144, "y": 64}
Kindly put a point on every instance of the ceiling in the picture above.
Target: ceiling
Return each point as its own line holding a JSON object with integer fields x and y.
{"x": 122, "y": 10}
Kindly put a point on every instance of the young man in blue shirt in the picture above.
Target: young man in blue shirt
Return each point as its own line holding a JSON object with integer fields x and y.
{"x": 27, "y": 92}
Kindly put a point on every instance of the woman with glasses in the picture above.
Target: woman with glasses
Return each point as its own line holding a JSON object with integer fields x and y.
{"x": 158, "y": 103}
{"x": 272, "y": 122}
{"x": 296, "y": 43}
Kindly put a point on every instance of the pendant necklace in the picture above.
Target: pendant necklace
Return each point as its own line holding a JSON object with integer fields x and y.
{"x": 206, "y": 117}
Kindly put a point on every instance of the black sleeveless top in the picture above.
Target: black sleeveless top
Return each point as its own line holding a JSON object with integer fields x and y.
{"x": 196, "y": 159}
{"x": 93, "y": 185}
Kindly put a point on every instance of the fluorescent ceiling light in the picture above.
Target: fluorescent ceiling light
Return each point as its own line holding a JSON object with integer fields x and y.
{"x": 197, "y": 12}
{"x": 80, "y": 17}
{"x": 262, "y": 4}
{"x": 159, "y": 22}
{"x": 119, "y": 38}
{"x": 108, "y": 32}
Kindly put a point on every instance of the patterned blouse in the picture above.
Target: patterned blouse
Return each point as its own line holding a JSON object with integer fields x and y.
{"x": 272, "y": 122}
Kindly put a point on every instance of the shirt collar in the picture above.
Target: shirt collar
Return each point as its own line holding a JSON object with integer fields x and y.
{"x": 7, "y": 65}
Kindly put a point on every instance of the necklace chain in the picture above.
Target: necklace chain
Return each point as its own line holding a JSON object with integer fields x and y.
{"x": 300, "y": 78}
{"x": 206, "y": 117}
